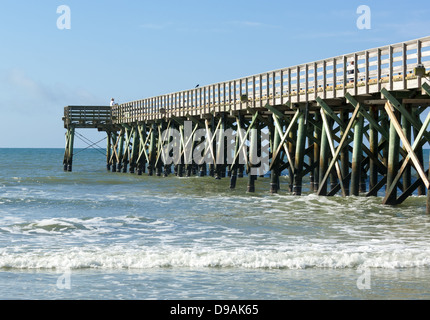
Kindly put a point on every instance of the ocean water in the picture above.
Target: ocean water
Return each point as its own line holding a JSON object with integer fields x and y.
{"x": 93, "y": 234}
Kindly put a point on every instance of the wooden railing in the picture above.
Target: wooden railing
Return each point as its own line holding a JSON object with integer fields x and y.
{"x": 87, "y": 117}
{"x": 389, "y": 67}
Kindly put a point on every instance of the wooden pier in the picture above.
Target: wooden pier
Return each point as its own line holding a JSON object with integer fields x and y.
{"x": 352, "y": 123}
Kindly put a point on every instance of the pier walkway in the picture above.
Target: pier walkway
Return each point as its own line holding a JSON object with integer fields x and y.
{"x": 356, "y": 124}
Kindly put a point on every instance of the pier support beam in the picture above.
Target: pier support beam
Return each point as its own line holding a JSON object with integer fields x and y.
{"x": 428, "y": 193}
{"x": 253, "y": 148}
{"x": 220, "y": 150}
{"x": 126, "y": 156}
{"x": 300, "y": 154}
{"x": 143, "y": 156}
{"x": 291, "y": 148}
{"x": 373, "y": 144}
{"x": 357, "y": 156}
{"x": 274, "y": 175}
{"x": 324, "y": 156}
{"x": 310, "y": 150}
{"x": 114, "y": 151}
{"x": 108, "y": 150}
{"x": 344, "y": 154}
{"x": 152, "y": 150}
{"x": 317, "y": 151}
{"x": 235, "y": 162}
{"x": 68, "y": 155}
{"x": 390, "y": 197}
{"x": 419, "y": 151}
{"x": 406, "y": 127}
{"x": 393, "y": 162}
{"x": 134, "y": 150}
{"x": 120, "y": 149}
{"x": 392, "y": 179}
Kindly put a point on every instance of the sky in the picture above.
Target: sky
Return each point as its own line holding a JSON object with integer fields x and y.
{"x": 133, "y": 49}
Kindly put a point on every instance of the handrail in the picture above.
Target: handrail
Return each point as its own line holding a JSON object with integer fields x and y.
{"x": 87, "y": 116}
{"x": 389, "y": 67}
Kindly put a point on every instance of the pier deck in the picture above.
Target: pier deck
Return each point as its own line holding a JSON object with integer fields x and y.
{"x": 354, "y": 120}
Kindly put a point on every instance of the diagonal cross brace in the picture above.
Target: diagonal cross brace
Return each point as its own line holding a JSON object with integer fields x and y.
{"x": 400, "y": 107}
{"x": 284, "y": 137}
{"x": 409, "y": 156}
{"x": 372, "y": 121}
{"x": 339, "y": 148}
{"x": 342, "y": 125}
{"x": 243, "y": 139}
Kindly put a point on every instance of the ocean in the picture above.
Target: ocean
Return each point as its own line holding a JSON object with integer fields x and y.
{"x": 98, "y": 235}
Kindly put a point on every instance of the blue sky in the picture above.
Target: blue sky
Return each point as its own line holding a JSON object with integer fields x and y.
{"x": 136, "y": 49}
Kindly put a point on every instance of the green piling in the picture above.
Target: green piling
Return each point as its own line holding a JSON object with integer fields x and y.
{"x": 141, "y": 166}
{"x": 317, "y": 150}
{"x": 357, "y": 156}
{"x": 252, "y": 151}
{"x": 373, "y": 144}
{"x": 120, "y": 150}
{"x": 114, "y": 150}
{"x": 324, "y": 160}
{"x": 152, "y": 150}
{"x": 125, "y": 159}
{"x": 419, "y": 152}
{"x": 68, "y": 156}
{"x": 344, "y": 154}
{"x": 291, "y": 146}
{"x": 393, "y": 161}
{"x": 234, "y": 167}
{"x": 406, "y": 128}
{"x": 311, "y": 154}
{"x": 274, "y": 175}
{"x": 134, "y": 150}
{"x": 300, "y": 154}
{"x": 428, "y": 193}
{"x": 219, "y": 167}
{"x": 108, "y": 150}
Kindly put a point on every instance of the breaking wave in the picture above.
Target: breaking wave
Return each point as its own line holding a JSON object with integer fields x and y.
{"x": 147, "y": 258}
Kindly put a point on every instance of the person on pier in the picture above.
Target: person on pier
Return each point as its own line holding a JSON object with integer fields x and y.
{"x": 351, "y": 71}
{"x": 113, "y": 103}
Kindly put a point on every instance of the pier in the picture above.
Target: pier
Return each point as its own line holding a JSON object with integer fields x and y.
{"x": 355, "y": 124}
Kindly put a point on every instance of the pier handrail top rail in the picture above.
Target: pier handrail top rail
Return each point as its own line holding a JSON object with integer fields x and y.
{"x": 353, "y": 54}
{"x": 71, "y": 107}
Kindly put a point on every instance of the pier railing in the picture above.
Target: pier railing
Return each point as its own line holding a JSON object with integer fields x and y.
{"x": 365, "y": 72}
{"x": 87, "y": 117}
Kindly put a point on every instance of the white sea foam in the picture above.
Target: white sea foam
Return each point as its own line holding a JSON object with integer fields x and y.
{"x": 146, "y": 258}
